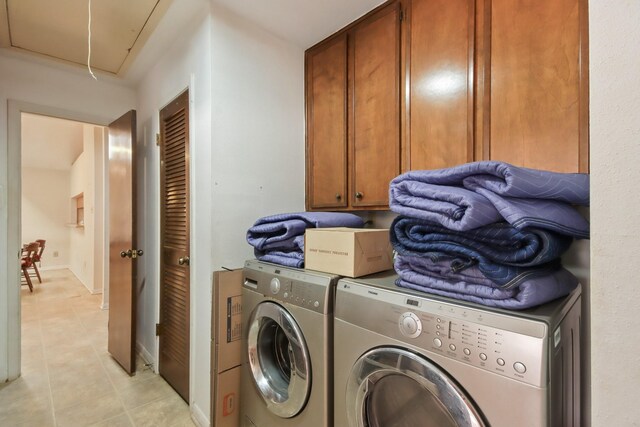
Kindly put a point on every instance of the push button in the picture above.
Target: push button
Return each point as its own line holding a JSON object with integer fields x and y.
{"x": 519, "y": 367}
{"x": 500, "y": 361}
{"x": 452, "y": 347}
{"x": 483, "y": 356}
{"x": 437, "y": 342}
{"x": 466, "y": 351}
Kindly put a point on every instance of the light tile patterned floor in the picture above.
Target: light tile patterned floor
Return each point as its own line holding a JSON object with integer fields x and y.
{"x": 68, "y": 378}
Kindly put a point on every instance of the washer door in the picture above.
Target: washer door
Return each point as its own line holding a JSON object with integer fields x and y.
{"x": 391, "y": 387}
{"x": 279, "y": 359}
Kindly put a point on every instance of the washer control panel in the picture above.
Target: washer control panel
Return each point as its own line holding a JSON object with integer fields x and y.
{"x": 299, "y": 287}
{"x": 507, "y": 345}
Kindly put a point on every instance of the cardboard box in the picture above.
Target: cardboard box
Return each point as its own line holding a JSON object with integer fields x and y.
{"x": 227, "y": 399}
{"x": 351, "y": 252}
{"x": 226, "y": 347}
{"x": 226, "y": 322}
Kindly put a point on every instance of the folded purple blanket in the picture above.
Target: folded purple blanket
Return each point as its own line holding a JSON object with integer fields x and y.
{"x": 476, "y": 194}
{"x": 280, "y": 238}
{"x": 471, "y": 285}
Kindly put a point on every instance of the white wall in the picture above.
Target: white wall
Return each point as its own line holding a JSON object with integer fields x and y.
{"x": 45, "y": 213}
{"x": 247, "y": 160}
{"x": 87, "y": 241}
{"x": 258, "y": 132}
{"x": 81, "y": 237}
{"x": 185, "y": 64}
{"x": 615, "y": 237}
{"x": 48, "y": 89}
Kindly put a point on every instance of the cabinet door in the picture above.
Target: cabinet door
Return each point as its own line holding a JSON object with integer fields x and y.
{"x": 535, "y": 83}
{"x": 326, "y": 68}
{"x": 441, "y": 88}
{"x": 375, "y": 113}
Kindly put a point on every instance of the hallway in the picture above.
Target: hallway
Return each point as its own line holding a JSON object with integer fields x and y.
{"x": 68, "y": 378}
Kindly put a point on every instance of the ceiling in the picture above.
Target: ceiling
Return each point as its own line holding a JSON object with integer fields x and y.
{"x": 58, "y": 29}
{"x": 50, "y": 143}
{"x": 303, "y": 22}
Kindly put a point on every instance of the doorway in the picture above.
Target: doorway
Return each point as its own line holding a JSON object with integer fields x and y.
{"x": 63, "y": 199}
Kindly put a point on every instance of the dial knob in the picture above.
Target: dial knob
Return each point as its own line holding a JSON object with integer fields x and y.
{"x": 410, "y": 325}
{"x": 274, "y": 286}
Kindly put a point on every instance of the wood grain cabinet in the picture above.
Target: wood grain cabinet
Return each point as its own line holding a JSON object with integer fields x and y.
{"x": 353, "y": 113}
{"x": 425, "y": 84}
{"x": 532, "y": 90}
{"x": 440, "y": 102}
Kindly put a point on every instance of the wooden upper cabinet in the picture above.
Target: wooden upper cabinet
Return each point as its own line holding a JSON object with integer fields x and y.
{"x": 534, "y": 116}
{"x": 326, "y": 68}
{"x": 441, "y": 98}
{"x": 353, "y": 96}
{"x": 375, "y": 114}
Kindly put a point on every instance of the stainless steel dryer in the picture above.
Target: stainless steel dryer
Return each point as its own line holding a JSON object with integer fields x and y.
{"x": 286, "y": 376}
{"x": 404, "y": 358}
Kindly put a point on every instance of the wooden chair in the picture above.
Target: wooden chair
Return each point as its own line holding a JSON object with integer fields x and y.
{"x": 38, "y": 257}
{"x": 26, "y": 261}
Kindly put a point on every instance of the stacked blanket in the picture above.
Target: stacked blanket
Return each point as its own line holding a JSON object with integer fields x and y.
{"x": 280, "y": 238}
{"x": 487, "y": 232}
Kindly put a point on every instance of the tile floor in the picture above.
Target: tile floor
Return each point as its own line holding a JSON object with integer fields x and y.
{"x": 68, "y": 378}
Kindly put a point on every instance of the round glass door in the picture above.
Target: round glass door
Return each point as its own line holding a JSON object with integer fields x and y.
{"x": 390, "y": 387}
{"x": 279, "y": 360}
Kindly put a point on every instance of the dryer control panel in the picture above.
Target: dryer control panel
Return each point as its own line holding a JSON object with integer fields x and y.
{"x": 507, "y": 345}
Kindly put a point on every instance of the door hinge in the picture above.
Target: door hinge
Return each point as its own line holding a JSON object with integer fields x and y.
{"x": 158, "y": 139}
{"x": 158, "y": 329}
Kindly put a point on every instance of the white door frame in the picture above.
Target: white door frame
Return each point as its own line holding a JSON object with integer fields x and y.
{"x": 10, "y": 226}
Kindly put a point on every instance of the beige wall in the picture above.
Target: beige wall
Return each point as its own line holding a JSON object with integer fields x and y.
{"x": 85, "y": 242}
{"x": 45, "y": 213}
{"x": 614, "y": 37}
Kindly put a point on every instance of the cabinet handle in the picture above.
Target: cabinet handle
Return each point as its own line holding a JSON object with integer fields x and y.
{"x": 338, "y": 196}
{"x": 359, "y": 195}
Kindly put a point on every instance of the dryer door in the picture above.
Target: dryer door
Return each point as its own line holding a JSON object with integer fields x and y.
{"x": 393, "y": 387}
{"x": 279, "y": 359}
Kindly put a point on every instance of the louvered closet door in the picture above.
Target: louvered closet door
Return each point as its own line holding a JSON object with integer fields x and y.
{"x": 174, "y": 276}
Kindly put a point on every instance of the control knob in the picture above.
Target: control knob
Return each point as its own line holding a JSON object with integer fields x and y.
{"x": 274, "y": 286}
{"x": 410, "y": 325}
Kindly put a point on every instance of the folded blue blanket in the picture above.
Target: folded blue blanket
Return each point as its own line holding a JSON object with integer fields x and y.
{"x": 502, "y": 253}
{"x": 419, "y": 274}
{"x": 280, "y": 238}
{"x": 476, "y": 194}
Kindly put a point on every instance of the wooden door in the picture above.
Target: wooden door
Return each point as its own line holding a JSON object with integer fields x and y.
{"x": 441, "y": 84}
{"x": 122, "y": 232}
{"x": 374, "y": 96}
{"x": 535, "y": 83}
{"x": 326, "y": 97}
{"x": 174, "y": 242}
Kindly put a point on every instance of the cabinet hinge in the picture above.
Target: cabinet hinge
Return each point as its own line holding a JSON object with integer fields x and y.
{"x": 158, "y": 139}
{"x": 158, "y": 329}
{"x": 401, "y": 15}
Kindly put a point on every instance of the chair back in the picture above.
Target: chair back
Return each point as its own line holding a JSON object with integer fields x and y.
{"x": 29, "y": 252}
{"x": 41, "y": 244}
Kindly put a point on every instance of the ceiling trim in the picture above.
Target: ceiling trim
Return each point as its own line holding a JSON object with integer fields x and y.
{"x": 155, "y": 17}
{"x": 5, "y": 38}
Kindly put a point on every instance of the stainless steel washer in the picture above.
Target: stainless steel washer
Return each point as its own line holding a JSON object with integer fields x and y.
{"x": 405, "y": 359}
{"x": 286, "y": 377}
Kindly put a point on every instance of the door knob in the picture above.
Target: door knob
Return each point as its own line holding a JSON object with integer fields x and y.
{"x": 131, "y": 253}
{"x": 359, "y": 195}
{"x": 184, "y": 260}
{"x": 338, "y": 196}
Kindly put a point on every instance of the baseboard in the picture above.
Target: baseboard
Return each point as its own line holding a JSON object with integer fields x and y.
{"x": 198, "y": 417}
{"x": 55, "y": 267}
{"x": 146, "y": 356}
